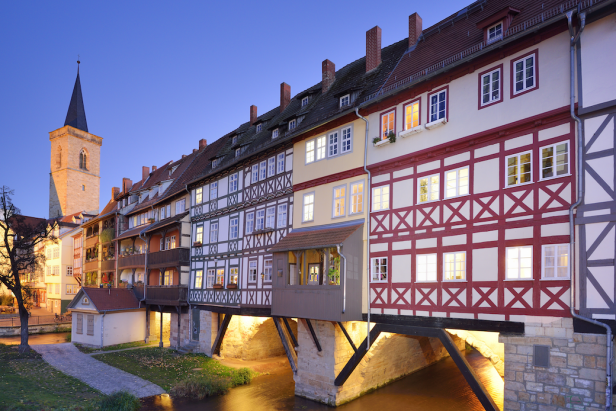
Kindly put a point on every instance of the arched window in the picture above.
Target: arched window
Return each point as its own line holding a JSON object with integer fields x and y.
{"x": 83, "y": 160}
{"x": 59, "y": 157}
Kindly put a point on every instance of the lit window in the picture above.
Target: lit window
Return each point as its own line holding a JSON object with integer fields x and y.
{"x": 438, "y": 105}
{"x": 267, "y": 271}
{"x": 233, "y": 228}
{"x": 346, "y": 140}
{"x": 554, "y": 160}
{"x": 524, "y": 70}
{"x": 345, "y": 100}
{"x": 168, "y": 277}
{"x": 169, "y": 243}
{"x": 426, "y": 267}
{"x": 357, "y": 198}
{"x": 282, "y": 215}
{"x": 199, "y": 279}
{"x": 199, "y": 235}
{"x": 519, "y": 169}
{"x": 259, "y": 127}
{"x": 271, "y": 166}
{"x": 556, "y": 261}
{"x": 388, "y": 121}
{"x": 233, "y": 274}
{"x": 56, "y": 252}
{"x": 321, "y": 146}
{"x": 198, "y": 196}
{"x": 233, "y": 183}
{"x": 519, "y": 263}
{"x": 304, "y": 101}
{"x": 252, "y": 271}
{"x": 263, "y": 170}
{"x": 339, "y": 201}
{"x": 281, "y": 163}
{"x": 255, "y": 173}
{"x": 310, "y": 151}
{"x": 213, "y": 232}
{"x": 250, "y": 223}
{"x": 333, "y": 144}
{"x": 308, "y": 207}
{"x": 411, "y": 115}
{"x": 220, "y": 276}
{"x": 454, "y": 266}
{"x": 275, "y": 133}
{"x": 260, "y": 220}
{"x": 270, "y": 217}
{"x": 210, "y": 278}
{"x": 490, "y": 87}
{"x": 428, "y": 188}
{"x": 379, "y": 270}
{"x": 456, "y": 182}
{"x": 213, "y": 190}
{"x": 380, "y": 198}
{"x": 292, "y": 124}
{"x": 495, "y": 32}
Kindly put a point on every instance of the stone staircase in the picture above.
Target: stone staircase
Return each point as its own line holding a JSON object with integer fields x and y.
{"x": 188, "y": 348}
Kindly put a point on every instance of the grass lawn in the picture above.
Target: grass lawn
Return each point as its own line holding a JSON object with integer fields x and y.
{"x": 29, "y": 383}
{"x": 166, "y": 367}
{"x": 90, "y": 350}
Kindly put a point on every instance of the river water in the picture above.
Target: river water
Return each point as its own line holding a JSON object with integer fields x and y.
{"x": 440, "y": 387}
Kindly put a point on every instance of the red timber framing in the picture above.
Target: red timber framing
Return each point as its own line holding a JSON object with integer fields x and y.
{"x": 491, "y": 219}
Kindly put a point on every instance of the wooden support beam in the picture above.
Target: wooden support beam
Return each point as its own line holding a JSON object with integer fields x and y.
{"x": 357, "y": 357}
{"x": 348, "y": 337}
{"x": 291, "y": 354}
{"x": 314, "y": 336}
{"x": 222, "y": 329}
{"x": 179, "y": 323}
{"x": 286, "y": 324}
{"x": 160, "y": 344}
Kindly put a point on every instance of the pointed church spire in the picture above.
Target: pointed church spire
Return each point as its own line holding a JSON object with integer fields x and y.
{"x": 76, "y": 115}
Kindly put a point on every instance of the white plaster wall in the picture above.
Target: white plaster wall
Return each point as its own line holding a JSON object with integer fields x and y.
{"x": 598, "y": 43}
{"x": 123, "y": 327}
{"x": 85, "y": 338}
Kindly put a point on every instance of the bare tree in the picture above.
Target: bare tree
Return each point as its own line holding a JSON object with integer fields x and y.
{"x": 20, "y": 237}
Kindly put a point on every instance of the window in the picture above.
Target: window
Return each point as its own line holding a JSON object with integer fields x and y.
{"x": 238, "y": 151}
{"x": 69, "y": 271}
{"x": 304, "y": 101}
{"x": 83, "y": 188}
{"x": 388, "y": 121}
{"x": 199, "y": 279}
{"x": 56, "y": 252}
{"x": 56, "y": 271}
{"x": 198, "y": 196}
{"x": 260, "y": 220}
{"x": 213, "y": 232}
{"x": 233, "y": 183}
{"x": 519, "y": 169}
{"x": 379, "y": 270}
{"x": 252, "y": 271}
{"x": 345, "y": 100}
{"x": 259, "y": 127}
{"x": 180, "y": 206}
{"x": 519, "y": 263}
{"x": 491, "y": 87}
{"x": 263, "y": 170}
{"x": 48, "y": 252}
{"x": 411, "y": 115}
{"x": 555, "y": 160}
{"x": 281, "y": 163}
{"x": 456, "y": 182}
{"x": 233, "y": 228}
{"x": 162, "y": 214}
{"x": 213, "y": 190}
{"x": 199, "y": 235}
{"x": 250, "y": 223}
{"x": 271, "y": 166}
{"x": 83, "y": 160}
{"x": 454, "y": 266}
{"x": 346, "y": 140}
{"x": 310, "y": 151}
{"x": 275, "y": 133}
{"x": 90, "y": 324}
{"x": 215, "y": 162}
{"x": 270, "y": 217}
{"x": 524, "y": 70}
{"x": 555, "y": 261}
{"x": 308, "y": 214}
{"x": 339, "y": 201}
{"x": 209, "y": 281}
{"x": 267, "y": 271}
{"x": 321, "y": 147}
{"x": 426, "y": 268}
{"x": 292, "y": 124}
{"x": 495, "y": 32}
{"x": 220, "y": 276}
{"x": 167, "y": 278}
{"x": 233, "y": 274}
{"x": 357, "y": 198}
{"x": 79, "y": 323}
{"x": 333, "y": 144}
{"x": 380, "y": 198}
{"x": 282, "y": 215}
{"x": 255, "y": 173}
{"x": 234, "y": 140}
{"x": 169, "y": 242}
{"x": 438, "y": 105}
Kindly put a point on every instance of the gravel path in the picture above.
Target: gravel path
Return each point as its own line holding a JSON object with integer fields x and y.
{"x": 105, "y": 378}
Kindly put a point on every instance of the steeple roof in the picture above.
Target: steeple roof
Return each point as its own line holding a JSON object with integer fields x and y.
{"x": 76, "y": 115}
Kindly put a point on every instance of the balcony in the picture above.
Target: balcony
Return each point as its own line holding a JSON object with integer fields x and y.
{"x": 131, "y": 261}
{"x": 91, "y": 241}
{"x": 90, "y": 266}
{"x": 108, "y": 265}
{"x": 169, "y": 258}
{"x": 166, "y": 294}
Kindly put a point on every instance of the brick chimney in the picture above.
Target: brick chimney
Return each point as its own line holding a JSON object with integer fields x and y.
{"x": 145, "y": 172}
{"x": 115, "y": 191}
{"x": 414, "y": 29}
{"x": 373, "y": 48}
{"x": 285, "y": 96}
{"x": 153, "y": 168}
{"x": 253, "y": 114}
{"x": 127, "y": 184}
{"x": 328, "y": 70}
{"x": 202, "y": 144}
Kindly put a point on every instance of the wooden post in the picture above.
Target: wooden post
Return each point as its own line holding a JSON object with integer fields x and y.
{"x": 179, "y": 311}
{"x": 160, "y": 344}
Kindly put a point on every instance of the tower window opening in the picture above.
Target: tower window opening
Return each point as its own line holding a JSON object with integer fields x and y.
{"x": 83, "y": 160}
{"x": 83, "y": 188}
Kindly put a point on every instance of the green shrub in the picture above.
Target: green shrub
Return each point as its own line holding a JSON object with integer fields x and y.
{"x": 242, "y": 376}
{"x": 201, "y": 386}
{"x": 68, "y": 337}
{"x": 120, "y": 401}
{"x": 6, "y": 299}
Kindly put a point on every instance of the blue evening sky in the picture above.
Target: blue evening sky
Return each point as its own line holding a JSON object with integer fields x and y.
{"x": 158, "y": 76}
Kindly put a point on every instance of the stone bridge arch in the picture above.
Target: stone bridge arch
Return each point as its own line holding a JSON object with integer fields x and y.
{"x": 484, "y": 342}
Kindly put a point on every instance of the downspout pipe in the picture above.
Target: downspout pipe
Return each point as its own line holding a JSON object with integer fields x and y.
{"x": 367, "y": 226}
{"x": 575, "y": 37}
{"x": 344, "y": 278}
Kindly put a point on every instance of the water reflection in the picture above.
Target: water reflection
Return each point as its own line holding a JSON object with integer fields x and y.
{"x": 439, "y": 387}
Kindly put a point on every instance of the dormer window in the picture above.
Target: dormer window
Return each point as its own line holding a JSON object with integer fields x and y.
{"x": 259, "y": 127}
{"x": 292, "y": 124}
{"x": 495, "y": 32}
{"x": 304, "y": 101}
{"x": 275, "y": 133}
{"x": 215, "y": 162}
{"x": 234, "y": 140}
{"x": 238, "y": 151}
{"x": 345, "y": 100}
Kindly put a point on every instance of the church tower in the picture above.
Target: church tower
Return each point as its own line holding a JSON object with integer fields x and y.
{"x": 74, "y": 182}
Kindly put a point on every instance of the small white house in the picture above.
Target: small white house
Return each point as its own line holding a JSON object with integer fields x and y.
{"x": 107, "y": 316}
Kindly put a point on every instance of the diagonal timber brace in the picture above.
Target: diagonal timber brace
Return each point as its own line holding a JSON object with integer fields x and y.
{"x": 286, "y": 324}
{"x": 348, "y": 337}
{"x": 222, "y": 329}
{"x": 314, "y": 336}
{"x": 286, "y": 343}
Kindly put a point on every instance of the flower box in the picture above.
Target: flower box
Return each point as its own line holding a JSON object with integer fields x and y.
{"x": 197, "y": 244}
{"x": 231, "y": 286}
{"x": 382, "y": 143}
{"x": 217, "y": 286}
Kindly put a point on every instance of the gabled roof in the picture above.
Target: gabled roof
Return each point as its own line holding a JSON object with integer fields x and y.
{"x": 76, "y": 115}
{"x": 107, "y": 299}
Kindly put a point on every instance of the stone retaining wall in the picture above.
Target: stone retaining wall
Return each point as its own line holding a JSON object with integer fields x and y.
{"x": 35, "y": 329}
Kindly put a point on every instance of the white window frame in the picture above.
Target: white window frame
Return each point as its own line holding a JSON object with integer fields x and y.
{"x": 213, "y": 190}
{"x": 333, "y": 144}
{"x": 233, "y": 275}
{"x": 271, "y": 166}
{"x": 524, "y": 68}
{"x": 282, "y": 216}
{"x": 455, "y": 270}
{"x": 259, "y": 127}
{"x": 339, "y": 201}
{"x": 252, "y": 271}
{"x": 275, "y": 133}
{"x": 518, "y": 155}
{"x": 304, "y": 101}
{"x": 233, "y": 178}
{"x": 198, "y": 279}
{"x": 382, "y": 205}
{"x": 311, "y": 207}
{"x": 311, "y": 150}
{"x": 220, "y": 275}
{"x": 491, "y": 98}
{"x": 553, "y": 146}
{"x": 519, "y": 257}
{"x": 238, "y": 152}
{"x": 280, "y": 163}
{"x": 270, "y": 217}
{"x": 346, "y": 136}
{"x": 213, "y": 232}
{"x": 180, "y": 206}
{"x": 254, "y": 174}
{"x": 385, "y": 117}
{"x": 211, "y": 276}
{"x": 435, "y": 116}
{"x": 262, "y": 170}
{"x": 69, "y": 270}
{"x": 380, "y": 263}
{"x": 234, "y": 140}
{"x": 430, "y": 188}
{"x": 268, "y": 268}
{"x": 199, "y": 195}
{"x": 411, "y": 105}
{"x": 352, "y": 198}
{"x": 260, "y": 220}
{"x": 199, "y": 234}
{"x": 345, "y": 100}
{"x": 56, "y": 252}
{"x": 492, "y": 39}
{"x": 427, "y": 261}
{"x": 234, "y": 228}
{"x": 458, "y": 186}
{"x": 292, "y": 124}
{"x": 555, "y": 266}
{"x": 320, "y": 148}
{"x": 250, "y": 222}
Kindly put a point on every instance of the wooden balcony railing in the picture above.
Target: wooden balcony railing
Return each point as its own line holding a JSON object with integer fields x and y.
{"x": 169, "y": 258}
{"x": 108, "y": 265}
{"x": 131, "y": 261}
{"x": 167, "y": 294}
{"x": 90, "y": 266}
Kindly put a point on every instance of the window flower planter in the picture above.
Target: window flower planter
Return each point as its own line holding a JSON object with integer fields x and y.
{"x": 197, "y": 244}
{"x": 231, "y": 286}
{"x": 381, "y": 142}
{"x": 217, "y": 286}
